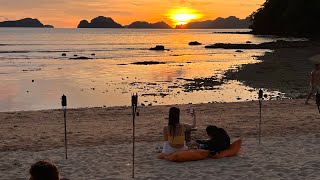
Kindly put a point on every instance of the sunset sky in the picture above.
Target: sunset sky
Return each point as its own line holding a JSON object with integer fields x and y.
{"x": 68, "y": 13}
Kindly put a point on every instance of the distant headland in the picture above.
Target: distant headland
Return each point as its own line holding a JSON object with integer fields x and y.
{"x": 231, "y": 22}
{"x": 146, "y": 25}
{"x": 26, "y": 22}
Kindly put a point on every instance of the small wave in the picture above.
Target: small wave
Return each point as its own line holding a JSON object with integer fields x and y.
{"x": 117, "y": 49}
{"x": 6, "y": 52}
{"x": 14, "y": 58}
{"x": 75, "y": 44}
{"x": 23, "y": 44}
{"x": 69, "y": 51}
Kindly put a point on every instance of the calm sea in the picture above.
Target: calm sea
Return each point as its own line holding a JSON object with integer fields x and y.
{"x": 34, "y": 74}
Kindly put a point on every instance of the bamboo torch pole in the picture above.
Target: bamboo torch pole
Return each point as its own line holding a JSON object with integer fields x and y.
{"x": 64, "y": 108}
{"x": 260, "y": 104}
{"x": 134, "y": 104}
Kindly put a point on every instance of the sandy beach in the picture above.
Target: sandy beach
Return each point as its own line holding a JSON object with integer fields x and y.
{"x": 100, "y": 142}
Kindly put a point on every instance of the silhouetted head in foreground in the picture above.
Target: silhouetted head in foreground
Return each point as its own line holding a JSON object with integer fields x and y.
{"x": 44, "y": 170}
{"x": 212, "y": 131}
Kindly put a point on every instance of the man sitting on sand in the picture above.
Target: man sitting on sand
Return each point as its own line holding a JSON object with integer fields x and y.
{"x": 219, "y": 140}
{"x": 43, "y": 170}
{"x": 314, "y": 81}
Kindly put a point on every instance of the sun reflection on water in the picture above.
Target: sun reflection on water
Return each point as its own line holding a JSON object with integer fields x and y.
{"x": 110, "y": 78}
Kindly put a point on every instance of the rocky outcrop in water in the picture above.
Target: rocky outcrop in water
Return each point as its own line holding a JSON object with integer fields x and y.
{"x": 158, "y": 48}
{"x": 268, "y": 45}
{"x": 80, "y": 58}
{"x": 194, "y": 43}
{"x": 26, "y": 22}
{"x": 148, "y": 63}
{"x": 100, "y": 22}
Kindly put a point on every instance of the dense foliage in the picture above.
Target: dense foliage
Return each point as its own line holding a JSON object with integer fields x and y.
{"x": 287, "y": 17}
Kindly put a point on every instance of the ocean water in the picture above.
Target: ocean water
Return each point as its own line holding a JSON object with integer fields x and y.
{"x": 34, "y": 74}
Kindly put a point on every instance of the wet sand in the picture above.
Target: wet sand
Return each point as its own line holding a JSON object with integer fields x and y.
{"x": 286, "y": 70}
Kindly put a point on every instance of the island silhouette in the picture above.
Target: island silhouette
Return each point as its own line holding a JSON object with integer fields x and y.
{"x": 100, "y": 22}
{"x": 26, "y": 22}
{"x": 284, "y": 18}
{"x": 146, "y": 25}
{"x": 230, "y": 22}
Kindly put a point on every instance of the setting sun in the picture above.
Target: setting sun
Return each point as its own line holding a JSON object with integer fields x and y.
{"x": 183, "y": 16}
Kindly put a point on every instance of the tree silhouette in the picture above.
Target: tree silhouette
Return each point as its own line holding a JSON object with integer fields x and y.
{"x": 287, "y": 17}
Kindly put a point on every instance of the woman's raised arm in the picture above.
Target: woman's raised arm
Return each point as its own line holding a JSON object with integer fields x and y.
{"x": 194, "y": 121}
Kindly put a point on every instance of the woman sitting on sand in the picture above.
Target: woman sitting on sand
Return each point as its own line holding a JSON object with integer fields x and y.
{"x": 174, "y": 133}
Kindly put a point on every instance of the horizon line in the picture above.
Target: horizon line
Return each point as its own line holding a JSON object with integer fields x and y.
{"x": 134, "y": 21}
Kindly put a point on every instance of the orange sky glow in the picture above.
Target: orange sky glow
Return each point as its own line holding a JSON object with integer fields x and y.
{"x": 68, "y": 13}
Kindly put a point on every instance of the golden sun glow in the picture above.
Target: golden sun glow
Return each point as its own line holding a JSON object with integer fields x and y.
{"x": 182, "y": 16}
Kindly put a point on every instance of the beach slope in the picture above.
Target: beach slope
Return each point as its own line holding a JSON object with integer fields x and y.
{"x": 100, "y": 142}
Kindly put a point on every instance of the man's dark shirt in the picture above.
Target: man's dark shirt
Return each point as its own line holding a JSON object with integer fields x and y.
{"x": 220, "y": 142}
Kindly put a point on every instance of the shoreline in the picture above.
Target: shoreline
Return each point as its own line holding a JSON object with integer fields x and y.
{"x": 286, "y": 70}
{"x": 279, "y": 44}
